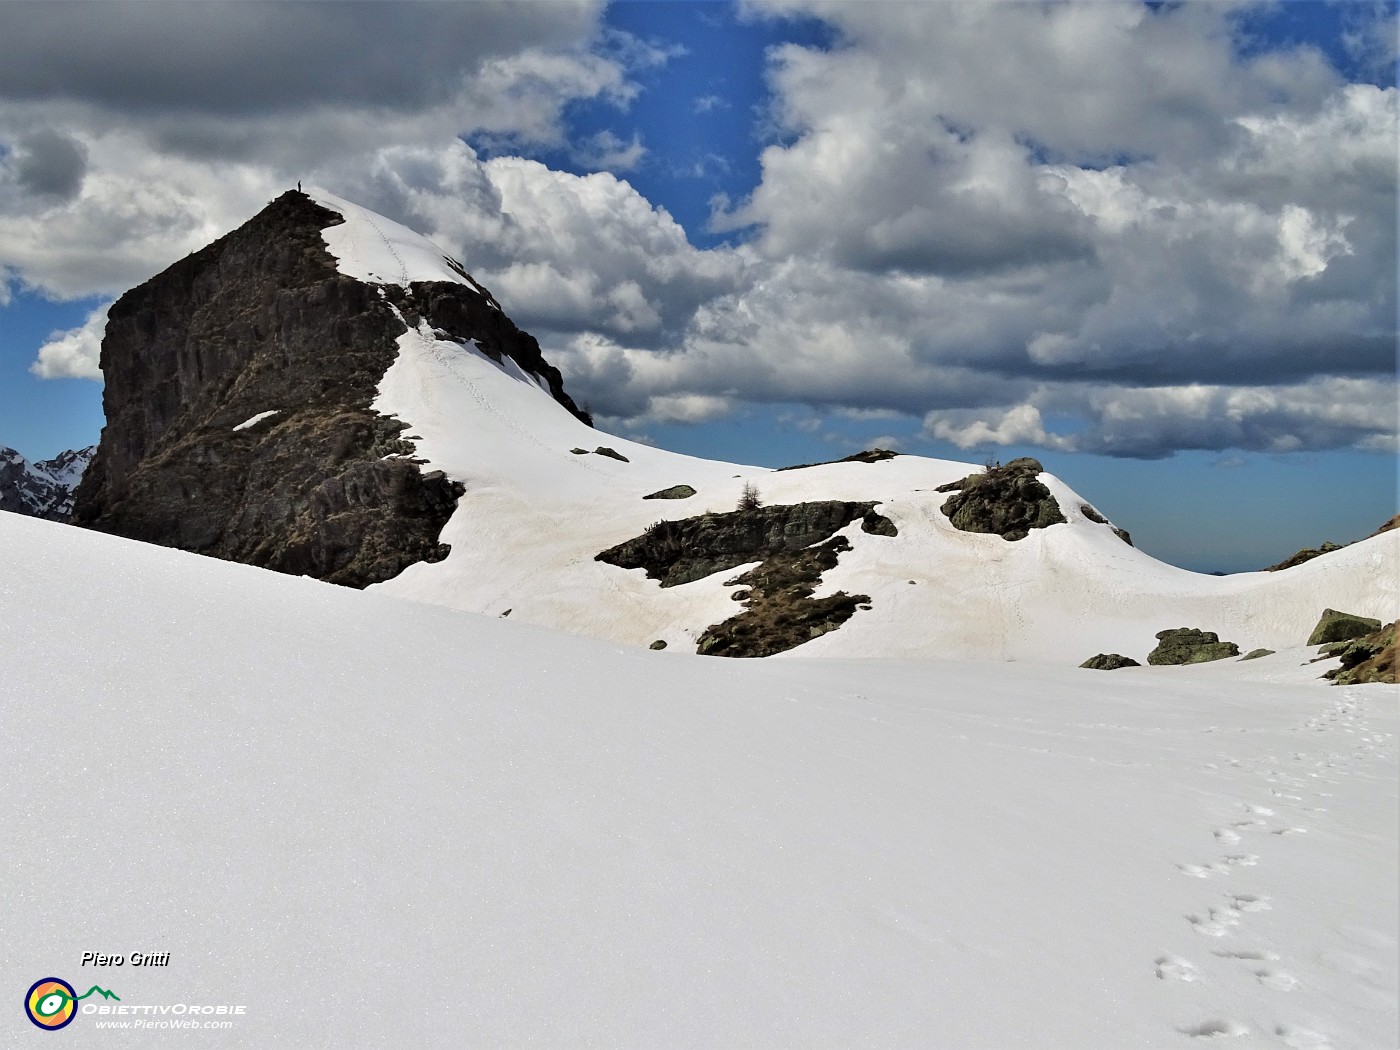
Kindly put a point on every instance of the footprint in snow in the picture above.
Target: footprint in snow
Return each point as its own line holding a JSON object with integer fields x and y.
{"x": 1289, "y": 831}
{"x": 1242, "y": 860}
{"x": 1203, "y": 871}
{"x": 1260, "y": 811}
{"x": 1226, "y": 836}
{"x": 1276, "y": 979}
{"x": 1302, "y": 1038}
{"x": 1217, "y": 923}
{"x": 1248, "y": 954}
{"x": 1174, "y": 967}
{"x": 1215, "y": 1029}
{"x": 1248, "y": 902}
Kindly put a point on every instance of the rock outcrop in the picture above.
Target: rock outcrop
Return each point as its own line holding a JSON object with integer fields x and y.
{"x": 674, "y": 492}
{"x": 1370, "y": 658}
{"x": 1008, "y": 501}
{"x": 870, "y": 455}
{"x": 795, "y": 543}
{"x": 1255, "y": 654}
{"x": 677, "y": 552}
{"x": 1109, "y": 662}
{"x": 1334, "y": 626}
{"x": 238, "y": 392}
{"x": 1187, "y": 645}
{"x": 43, "y": 489}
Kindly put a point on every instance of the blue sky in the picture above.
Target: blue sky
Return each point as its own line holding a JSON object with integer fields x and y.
{"x": 1152, "y": 245}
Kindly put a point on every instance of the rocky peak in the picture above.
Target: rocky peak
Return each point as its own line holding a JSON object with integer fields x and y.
{"x": 239, "y": 385}
{"x": 43, "y": 489}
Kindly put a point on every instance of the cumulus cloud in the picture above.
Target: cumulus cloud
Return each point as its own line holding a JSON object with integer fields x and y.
{"x": 73, "y": 354}
{"x": 1100, "y": 227}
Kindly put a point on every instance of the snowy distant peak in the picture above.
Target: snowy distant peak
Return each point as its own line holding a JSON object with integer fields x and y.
{"x": 43, "y": 489}
{"x": 67, "y": 468}
{"x": 371, "y": 248}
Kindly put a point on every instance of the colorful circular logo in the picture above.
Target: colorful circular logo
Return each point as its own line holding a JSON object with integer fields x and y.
{"x": 51, "y": 1003}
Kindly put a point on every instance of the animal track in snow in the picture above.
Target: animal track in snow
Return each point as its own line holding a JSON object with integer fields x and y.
{"x": 1174, "y": 967}
{"x": 1289, "y": 831}
{"x": 1259, "y": 811}
{"x": 1215, "y": 1029}
{"x": 1226, "y": 836}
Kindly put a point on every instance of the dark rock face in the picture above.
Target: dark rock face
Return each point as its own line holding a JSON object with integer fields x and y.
{"x": 43, "y": 489}
{"x": 261, "y": 321}
{"x": 779, "y": 610}
{"x": 1305, "y": 555}
{"x": 677, "y": 552}
{"x": 1187, "y": 645}
{"x": 1334, "y": 626}
{"x": 870, "y": 455}
{"x": 1007, "y": 501}
{"x": 1094, "y": 516}
{"x": 877, "y": 525}
{"x": 1370, "y": 658}
{"x": 1109, "y": 662}
{"x": 674, "y": 492}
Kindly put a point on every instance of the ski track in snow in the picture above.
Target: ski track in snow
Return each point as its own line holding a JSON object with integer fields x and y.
{"x": 1291, "y": 787}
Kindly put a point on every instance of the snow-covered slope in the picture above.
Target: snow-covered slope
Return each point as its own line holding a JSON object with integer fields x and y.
{"x": 524, "y": 537}
{"x": 375, "y": 823}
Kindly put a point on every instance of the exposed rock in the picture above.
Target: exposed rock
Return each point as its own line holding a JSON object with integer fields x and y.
{"x": 1109, "y": 662}
{"x": 611, "y": 453}
{"x": 1254, "y": 654}
{"x": 43, "y": 489}
{"x": 1305, "y": 555}
{"x": 579, "y": 451}
{"x": 660, "y": 643}
{"x": 1309, "y": 553}
{"x": 780, "y": 612}
{"x": 1187, "y": 645}
{"x": 877, "y": 525}
{"x": 261, "y": 321}
{"x": 1007, "y": 501}
{"x": 1094, "y": 516}
{"x": 1370, "y": 658}
{"x": 677, "y": 552}
{"x": 870, "y": 455}
{"x": 674, "y": 492}
{"x": 1337, "y": 626}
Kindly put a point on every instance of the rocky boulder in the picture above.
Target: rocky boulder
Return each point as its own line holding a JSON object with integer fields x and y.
{"x": 1255, "y": 654}
{"x": 1109, "y": 662}
{"x": 1187, "y": 645}
{"x": 1337, "y": 626}
{"x": 1370, "y": 658}
{"x": 1006, "y": 500}
{"x": 674, "y": 492}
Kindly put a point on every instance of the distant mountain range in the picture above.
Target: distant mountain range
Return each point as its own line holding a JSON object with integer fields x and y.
{"x": 43, "y": 489}
{"x": 324, "y": 392}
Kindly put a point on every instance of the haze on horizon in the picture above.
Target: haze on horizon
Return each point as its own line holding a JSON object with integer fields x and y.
{"x": 1152, "y": 245}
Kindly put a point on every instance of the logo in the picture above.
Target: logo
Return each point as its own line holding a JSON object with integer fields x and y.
{"x": 52, "y": 1002}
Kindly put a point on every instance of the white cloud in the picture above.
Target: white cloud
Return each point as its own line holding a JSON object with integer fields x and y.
{"x": 74, "y": 354}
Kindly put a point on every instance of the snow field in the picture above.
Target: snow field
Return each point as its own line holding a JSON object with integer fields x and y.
{"x": 381, "y": 823}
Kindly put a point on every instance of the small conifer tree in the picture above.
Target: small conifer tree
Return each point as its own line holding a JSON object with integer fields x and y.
{"x": 748, "y": 497}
